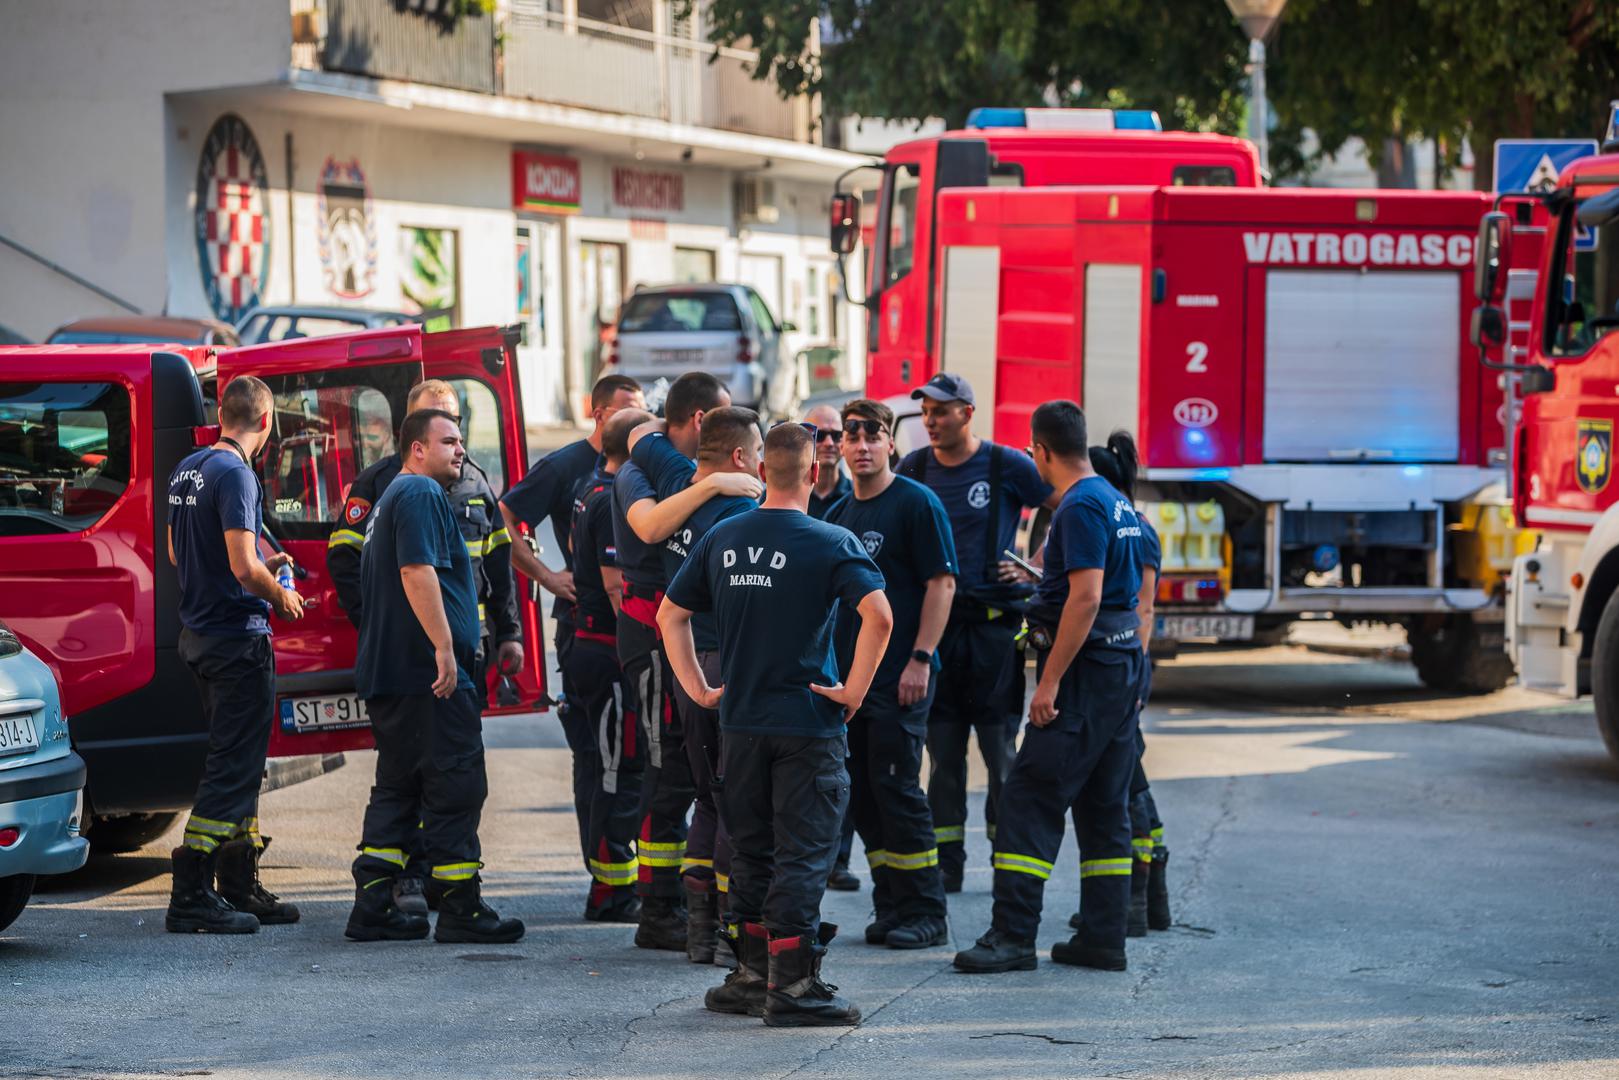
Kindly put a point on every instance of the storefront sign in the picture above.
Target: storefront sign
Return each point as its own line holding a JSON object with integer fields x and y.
{"x": 232, "y": 218}
{"x": 545, "y": 182}
{"x": 661, "y": 192}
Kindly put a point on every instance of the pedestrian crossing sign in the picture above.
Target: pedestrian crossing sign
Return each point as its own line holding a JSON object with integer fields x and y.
{"x": 1533, "y": 165}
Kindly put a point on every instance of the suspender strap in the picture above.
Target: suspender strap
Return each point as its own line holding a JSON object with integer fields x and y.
{"x": 992, "y": 529}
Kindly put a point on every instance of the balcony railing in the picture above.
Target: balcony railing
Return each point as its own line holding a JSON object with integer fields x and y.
{"x": 547, "y": 56}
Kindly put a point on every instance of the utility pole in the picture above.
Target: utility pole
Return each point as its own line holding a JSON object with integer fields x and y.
{"x": 1258, "y": 18}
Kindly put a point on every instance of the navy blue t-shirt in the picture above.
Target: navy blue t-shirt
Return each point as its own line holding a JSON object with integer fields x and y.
{"x": 705, "y": 634}
{"x": 819, "y": 506}
{"x": 213, "y": 490}
{"x": 413, "y": 525}
{"x": 1094, "y": 528}
{"x": 1152, "y": 550}
{"x": 640, "y": 563}
{"x": 965, "y": 492}
{"x": 773, "y": 579}
{"x": 907, "y": 535}
{"x": 668, "y": 469}
{"x": 547, "y": 492}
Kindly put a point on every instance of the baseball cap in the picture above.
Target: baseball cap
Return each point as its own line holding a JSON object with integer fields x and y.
{"x": 945, "y": 387}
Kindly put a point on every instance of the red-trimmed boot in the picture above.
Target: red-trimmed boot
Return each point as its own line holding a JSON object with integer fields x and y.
{"x": 797, "y": 996}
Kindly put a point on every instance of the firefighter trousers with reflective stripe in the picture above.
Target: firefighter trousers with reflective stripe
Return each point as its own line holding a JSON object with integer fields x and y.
{"x": 1082, "y": 764}
{"x": 979, "y": 688}
{"x": 618, "y": 760}
{"x": 784, "y": 799}
{"x": 667, "y": 790}
{"x": 235, "y": 678}
{"x": 706, "y": 865}
{"x": 889, "y": 809}
{"x": 430, "y": 786}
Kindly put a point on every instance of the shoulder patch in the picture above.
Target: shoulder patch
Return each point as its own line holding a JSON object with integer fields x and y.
{"x": 355, "y": 510}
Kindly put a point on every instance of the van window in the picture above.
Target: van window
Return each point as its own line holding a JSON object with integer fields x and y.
{"x": 64, "y": 455}
{"x": 1203, "y": 176}
{"x": 480, "y": 427}
{"x": 906, "y": 184}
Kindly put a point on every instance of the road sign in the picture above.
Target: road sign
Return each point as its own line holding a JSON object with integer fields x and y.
{"x": 1530, "y": 165}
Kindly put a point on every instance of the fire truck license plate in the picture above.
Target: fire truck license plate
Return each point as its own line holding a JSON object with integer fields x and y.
{"x": 17, "y": 734}
{"x": 1224, "y": 627}
{"x": 323, "y": 713}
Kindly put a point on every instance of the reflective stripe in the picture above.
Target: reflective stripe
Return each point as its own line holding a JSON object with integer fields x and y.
{"x": 1142, "y": 845}
{"x": 1105, "y": 868}
{"x": 722, "y": 882}
{"x": 476, "y": 549}
{"x": 877, "y": 859}
{"x": 661, "y": 855}
{"x": 1023, "y": 864}
{"x": 481, "y": 615}
{"x": 950, "y": 834}
{"x": 496, "y": 539}
{"x": 921, "y": 860}
{"x": 613, "y": 873}
{"x": 386, "y": 854}
{"x": 461, "y": 871}
{"x": 695, "y": 864}
{"x": 200, "y": 841}
{"x": 340, "y": 537}
{"x": 209, "y": 825}
{"x": 1158, "y": 835}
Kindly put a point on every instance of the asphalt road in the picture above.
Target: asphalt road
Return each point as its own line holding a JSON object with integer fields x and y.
{"x": 1368, "y": 881}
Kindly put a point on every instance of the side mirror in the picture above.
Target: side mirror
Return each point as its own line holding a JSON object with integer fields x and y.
{"x": 1537, "y": 380}
{"x": 845, "y": 223}
{"x": 1489, "y": 328}
{"x": 1491, "y": 256}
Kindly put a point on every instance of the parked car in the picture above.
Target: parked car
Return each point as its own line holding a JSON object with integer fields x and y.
{"x": 665, "y": 331}
{"x": 41, "y": 780}
{"x": 142, "y": 329}
{"x": 295, "y": 321}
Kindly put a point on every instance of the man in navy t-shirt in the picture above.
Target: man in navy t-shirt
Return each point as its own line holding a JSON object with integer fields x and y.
{"x": 903, "y": 528}
{"x": 226, "y": 595}
{"x": 418, "y": 647}
{"x": 773, "y": 579}
{"x": 984, "y": 488}
{"x": 1079, "y": 750}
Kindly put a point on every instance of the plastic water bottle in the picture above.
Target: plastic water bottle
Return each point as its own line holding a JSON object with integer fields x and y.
{"x": 283, "y": 577}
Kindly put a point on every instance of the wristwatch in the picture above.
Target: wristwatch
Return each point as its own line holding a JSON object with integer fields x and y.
{"x": 922, "y": 656}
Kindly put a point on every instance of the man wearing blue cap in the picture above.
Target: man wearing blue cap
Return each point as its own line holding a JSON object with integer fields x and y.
{"x": 985, "y": 488}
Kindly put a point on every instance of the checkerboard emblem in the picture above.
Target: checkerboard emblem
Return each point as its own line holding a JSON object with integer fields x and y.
{"x": 232, "y": 218}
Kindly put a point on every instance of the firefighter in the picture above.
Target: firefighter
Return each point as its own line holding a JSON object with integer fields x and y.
{"x": 488, "y": 545}
{"x": 984, "y": 488}
{"x": 903, "y": 527}
{"x": 773, "y": 579}
{"x": 216, "y": 510}
{"x": 549, "y": 491}
{"x": 729, "y": 443}
{"x": 590, "y": 663}
{"x": 414, "y": 668}
{"x": 1079, "y": 751}
{"x": 643, "y": 518}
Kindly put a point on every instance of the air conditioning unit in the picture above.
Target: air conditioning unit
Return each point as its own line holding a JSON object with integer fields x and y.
{"x": 756, "y": 201}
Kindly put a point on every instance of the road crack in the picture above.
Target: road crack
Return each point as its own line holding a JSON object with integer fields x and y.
{"x": 1052, "y": 1039}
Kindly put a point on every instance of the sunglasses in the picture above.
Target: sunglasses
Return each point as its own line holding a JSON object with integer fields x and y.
{"x": 871, "y": 428}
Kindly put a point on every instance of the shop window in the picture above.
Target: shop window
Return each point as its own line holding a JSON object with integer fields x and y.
{"x": 693, "y": 266}
{"x": 64, "y": 455}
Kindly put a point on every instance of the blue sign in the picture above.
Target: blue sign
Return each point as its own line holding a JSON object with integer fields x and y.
{"x": 1533, "y": 165}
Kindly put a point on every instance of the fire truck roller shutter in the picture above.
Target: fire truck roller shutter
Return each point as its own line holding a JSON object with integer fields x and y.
{"x": 972, "y": 306}
{"x": 1112, "y": 348}
{"x": 1361, "y": 366}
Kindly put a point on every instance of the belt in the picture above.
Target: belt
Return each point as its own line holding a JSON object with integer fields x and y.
{"x": 643, "y": 609}
{"x": 592, "y": 635}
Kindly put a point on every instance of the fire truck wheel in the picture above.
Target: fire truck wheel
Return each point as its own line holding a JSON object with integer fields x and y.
{"x": 1605, "y": 674}
{"x": 14, "y": 893}
{"x": 1457, "y": 658}
{"x": 127, "y": 832}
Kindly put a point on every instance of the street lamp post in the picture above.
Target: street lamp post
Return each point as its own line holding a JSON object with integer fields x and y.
{"x": 1258, "y": 17}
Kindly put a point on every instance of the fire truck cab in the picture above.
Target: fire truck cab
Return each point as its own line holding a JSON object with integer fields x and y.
{"x": 88, "y": 438}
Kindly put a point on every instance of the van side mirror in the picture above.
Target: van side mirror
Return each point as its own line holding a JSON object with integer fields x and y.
{"x": 1489, "y": 327}
{"x": 1536, "y": 379}
{"x": 845, "y": 222}
{"x": 1491, "y": 256}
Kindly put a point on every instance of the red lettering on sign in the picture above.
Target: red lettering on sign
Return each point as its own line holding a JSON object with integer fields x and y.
{"x": 637, "y": 190}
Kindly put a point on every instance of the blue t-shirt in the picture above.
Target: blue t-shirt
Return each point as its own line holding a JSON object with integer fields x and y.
{"x": 1152, "y": 550}
{"x": 412, "y": 525}
{"x": 548, "y": 491}
{"x": 668, "y": 469}
{"x": 965, "y": 492}
{"x": 640, "y": 563}
{"x": 213, "y": 490}
{"x": 907, "y": 535}
{"x": 1094, "y": 528}
{"x": 705, "y": 634}
{"x": 819, "y": 506}
{"x": 773, "y": 579}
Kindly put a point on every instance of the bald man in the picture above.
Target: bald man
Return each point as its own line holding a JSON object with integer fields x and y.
{"x": 830, "y": 484}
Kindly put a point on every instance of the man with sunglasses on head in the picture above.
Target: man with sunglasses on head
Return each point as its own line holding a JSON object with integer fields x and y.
{"x": 985, "y": 488}
{"x": 830, "y": 483}
{"x": 903, "y": 527}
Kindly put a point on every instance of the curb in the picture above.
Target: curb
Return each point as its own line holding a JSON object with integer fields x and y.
{"x": 284, "y": 772}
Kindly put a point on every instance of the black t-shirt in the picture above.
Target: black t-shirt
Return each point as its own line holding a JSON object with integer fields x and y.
{"x": 547, "y": 492}
{"x": 593, "y": 548}
{"x": 907, "y": 535}
{"x": 819, "y": 506}
{"x": 773, "y": 579}
{"x": 704, "y": 633}
{"x": 213, "y": 490}
{"x": 641, "y": 563}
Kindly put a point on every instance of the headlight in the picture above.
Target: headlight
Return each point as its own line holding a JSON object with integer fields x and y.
{"x": 9, "y": 645}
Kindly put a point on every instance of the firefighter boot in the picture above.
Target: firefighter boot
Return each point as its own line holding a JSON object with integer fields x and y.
{"x": 797, "y": 997}
{"x": 1136, "y": 923}
{"x": 194, "y": 906}
{"x": 239, "y": 884}
{"x": 702, "y": 919}
{"x": 376, "y": 917}
{"x": 1158, "y": 890}
{"x": 920, "y": 933}
{"x": 409, "y": 895}
{"x": 743, "y": 991}
{"x": 663, "y": 925}
{"x": 463, "y": 918}
{"x": 1078, "y": 954}
{"x": 881, "y": 923}
{"x": 996, "y": 952}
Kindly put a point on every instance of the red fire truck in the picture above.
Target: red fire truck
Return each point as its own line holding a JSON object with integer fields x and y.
{"x": 1562, "y": 615}
{"x": 1315, "y": 441}
{"x": 88, "y": 437}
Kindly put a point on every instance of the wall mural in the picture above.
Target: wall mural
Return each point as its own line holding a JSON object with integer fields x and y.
{"x": 347, "y": 230}
{"x": 232, "y": 218}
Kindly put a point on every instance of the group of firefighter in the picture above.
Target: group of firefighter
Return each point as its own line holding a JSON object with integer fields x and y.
{"x": 758, "y": 634}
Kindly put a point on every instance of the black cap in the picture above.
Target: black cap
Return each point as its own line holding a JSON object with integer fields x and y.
{"x": 945, "y": 387}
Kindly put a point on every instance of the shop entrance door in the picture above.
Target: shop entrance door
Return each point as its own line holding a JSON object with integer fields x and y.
{"x": 596, "y": 304}
{"x": 539, "y": 310}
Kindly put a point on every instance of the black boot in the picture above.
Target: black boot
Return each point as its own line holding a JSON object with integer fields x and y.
{"x": 463, "y": 918}
{"x": 1078, "y": 954}
{"x": 1076, "y": 920}
{"x": 376, "y": 917}
{"x": 663, "y": 925}
{"x": 613, "y": 905}
{"x": 702, "y": 920}
{"x": 239, "y": 884}
{"x": 1158, "y": 890}
{"x": 743, "y": 991}
{"x": 921, "y": 933}
{"x": 842, "y": 880}
{"x": 194, "y": 906}
{"x": 1136, "y": 922}
{"x": 409, "y": 894}
{"x": 996, "y": 952}
{"x": 797, "y": 997}
{"x": 877, "y": 932}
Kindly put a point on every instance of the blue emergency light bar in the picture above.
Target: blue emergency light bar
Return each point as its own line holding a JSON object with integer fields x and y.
{"x": 1066, "y": 119}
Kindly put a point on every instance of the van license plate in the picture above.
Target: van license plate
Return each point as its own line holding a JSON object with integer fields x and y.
{"x": 1223, "y": 627}
{"x": 332, "y": 713}
{"x": 17, "y": 734}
